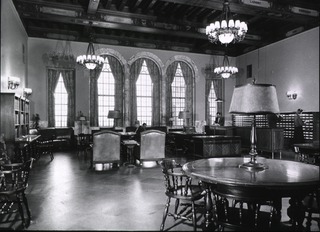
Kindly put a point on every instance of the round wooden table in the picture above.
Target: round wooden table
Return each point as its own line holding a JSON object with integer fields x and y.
{"x": 282, "y": 178}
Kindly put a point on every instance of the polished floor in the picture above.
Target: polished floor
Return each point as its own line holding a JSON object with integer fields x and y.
{"x": 65, "y": 194}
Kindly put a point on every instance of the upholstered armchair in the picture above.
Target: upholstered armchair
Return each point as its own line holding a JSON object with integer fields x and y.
{"x": 106, "y": 147}
{"x": 152, "y": 146}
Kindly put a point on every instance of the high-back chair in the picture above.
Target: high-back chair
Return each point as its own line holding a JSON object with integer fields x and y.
{"x": 239, "y": 210}
{"x": 106, "y": 147}
{"x": 14, "y": 182}
{"x": 152, "y": 146}
{"x": 185, "y": 192}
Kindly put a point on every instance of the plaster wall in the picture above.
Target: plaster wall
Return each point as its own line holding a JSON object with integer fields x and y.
{"x": 291, "y": 64}
{"x": 14, "y": 45}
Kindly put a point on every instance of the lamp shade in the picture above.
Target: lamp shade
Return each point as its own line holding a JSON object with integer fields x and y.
{"x": 114, "y": 114}
{"x": 254, "y": 99}
{"x": 184, "y": 114}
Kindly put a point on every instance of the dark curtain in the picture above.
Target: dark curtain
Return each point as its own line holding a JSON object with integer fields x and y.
{"x": 156, "y": 80}
{"x": 69, "y": 82}
{"x": 93, "y": 113}
{"x": 188, "y": 75}
{"x": 135, "y": 70}
{"x": 171, "y": 71}
{"x": 118, "y": 73}
{"x": 53, "y": 76}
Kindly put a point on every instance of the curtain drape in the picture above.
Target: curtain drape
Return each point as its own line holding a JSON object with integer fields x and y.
{"x": 188, "y": 75}
{"x": 118, "y": 74}
{"x": 135, "y": 70}
{"x": 53, "y": 76}
{"x": 69, "y": 82}
{"x": 156, "y": 80}
{"x": 93, "y": 113}
{"x": 171, "y": 71}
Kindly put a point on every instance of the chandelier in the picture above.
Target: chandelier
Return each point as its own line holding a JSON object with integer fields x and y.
{"x": 61, "y": 57}
{"x": 226, "y": 30}
{"x": 225, "y": 70}
{"x": 90, "y": 60}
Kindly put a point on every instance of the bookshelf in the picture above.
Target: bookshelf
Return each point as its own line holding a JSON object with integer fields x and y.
{"x": 15, "y": 118}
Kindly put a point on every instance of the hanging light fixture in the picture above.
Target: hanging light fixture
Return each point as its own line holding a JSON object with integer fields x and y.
{"x": 61, "y": 56}
{"x": 90, "y": 60}
{"x": 225, "y": 70}
{"x": 226, "y": 30}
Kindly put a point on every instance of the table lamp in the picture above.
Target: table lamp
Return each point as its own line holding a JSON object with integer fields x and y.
{"x": 185, "y": 115}
{"x": 115, "y": 114}
{"x": 254, "y": 99}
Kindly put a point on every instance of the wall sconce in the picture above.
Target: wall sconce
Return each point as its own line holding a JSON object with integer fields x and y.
{"x": 13, "y": 82}
{"x": 292, "y": 95}
{"x": 27, "y": 92}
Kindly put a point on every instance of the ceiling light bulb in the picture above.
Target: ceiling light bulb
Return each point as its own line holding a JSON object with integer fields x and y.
{"x": 226, "y": 38}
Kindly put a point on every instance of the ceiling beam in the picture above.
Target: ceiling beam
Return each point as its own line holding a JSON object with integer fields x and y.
{"x": 151, "y": 4}
{"x": 136, "y": 6}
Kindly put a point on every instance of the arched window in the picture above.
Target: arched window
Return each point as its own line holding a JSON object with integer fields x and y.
{"x": 61, "y": 103}
{"x": 106, "y": 95}
{"x": 106, "y": 92}
{"x": 61, "y": 97}
{"x": 212, "y": 104}
{"x": 144, "y": 88}
{"x": 178, "y": 87}
{"x": 180, "y": 91}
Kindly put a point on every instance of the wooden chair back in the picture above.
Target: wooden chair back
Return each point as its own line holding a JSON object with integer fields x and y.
{"x": 106, "y": 147}
{"x": 152, "y": 145}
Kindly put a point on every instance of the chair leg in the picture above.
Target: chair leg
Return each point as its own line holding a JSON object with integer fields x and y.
{"x": 20, "y": 208}
{"x": 51, "y": 155}
{"x": 165, "y": 214}
{"x": 194, "y": 220}
{"x": 25, "y": 201}
{"x": 176, "y": 207}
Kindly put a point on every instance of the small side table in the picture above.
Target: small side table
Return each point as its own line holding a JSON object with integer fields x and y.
{"x": 130, "y": 144}
{"x": 26, "y": 142}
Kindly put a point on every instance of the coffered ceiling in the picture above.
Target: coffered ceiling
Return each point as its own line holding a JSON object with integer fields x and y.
{"x": 176, "y": 25}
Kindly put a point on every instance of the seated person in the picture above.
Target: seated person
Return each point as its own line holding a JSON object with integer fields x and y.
{"x": 139, "y": 130}
{"x": 219, "y": 120}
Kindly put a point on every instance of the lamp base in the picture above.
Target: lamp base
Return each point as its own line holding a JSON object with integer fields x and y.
{"x": 253, "y": 166}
